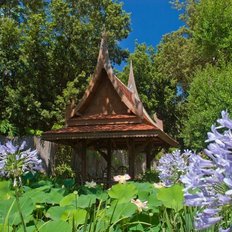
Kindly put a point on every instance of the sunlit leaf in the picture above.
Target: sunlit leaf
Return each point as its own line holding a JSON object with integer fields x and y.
{"x": 172, "y": 197}
{"x": 123, "y": 192}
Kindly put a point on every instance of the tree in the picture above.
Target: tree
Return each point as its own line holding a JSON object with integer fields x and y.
{"x": 176, "y": 58}
{"x": 46, "y": 45}
{"x": 209, "y": 23}
{"x": 204, "y": 40}
{"x": 10, "y": 64}
{"x": 212, "y": 29}
{"x": 209, "y": 94}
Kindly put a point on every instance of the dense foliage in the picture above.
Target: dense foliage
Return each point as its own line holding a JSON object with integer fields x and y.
{"x": 203, "y": 44}
{"x": 46, "y": 48}
{"x": 125, "y": 207}
{"x": 210, "y": 93}
{"x": 28, "y": 203}
{"x": 167, "y": 72}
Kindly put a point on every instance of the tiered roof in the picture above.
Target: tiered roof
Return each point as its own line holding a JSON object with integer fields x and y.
{"x": 109, "y": 109}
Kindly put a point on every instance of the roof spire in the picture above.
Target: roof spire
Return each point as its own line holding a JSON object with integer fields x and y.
{"x": 103, "y": 56}
{"x": 131, "y": 82}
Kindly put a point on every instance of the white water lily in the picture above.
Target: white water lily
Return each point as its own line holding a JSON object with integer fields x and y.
{"x": 91, "y": 184}
{"x": 122, "y": 178}
{"x": 159, "y": 185}
{"x": 141, "y": 205}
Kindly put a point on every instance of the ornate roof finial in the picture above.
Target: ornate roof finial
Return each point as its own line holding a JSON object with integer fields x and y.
{"x": 131, "y": 82}
{"x": 103, "y": 56}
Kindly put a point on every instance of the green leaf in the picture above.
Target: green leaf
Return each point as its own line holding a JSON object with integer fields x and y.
{"x": 31, "y": 228}
{"x": 4, "y": 208}
{"x": 123, "y": 192}
{"x": 85, "y": 201}
{"x": 136, "y": 228}
{"x": 37, "y": 195}
{"x": 55, "y": 226}
{"x": 27, "y": 207}
{"x": 54, "y": 196}
{"x": 79, "y": 216}
{"x": 172, "y": 197}
{"x": 121, "y": 210}
{"x": 102, "y": 196}
{"x": 45, "y": 194}
{"x": 155, "y": 229}
{"x": 5, "y": 191}
{"x": 70, "y": 199}
{"x": 144, "y": 190}
{"x": 55, "y": 213}
{"x": 9, "y": 228}
{"x": 153, "y": 202}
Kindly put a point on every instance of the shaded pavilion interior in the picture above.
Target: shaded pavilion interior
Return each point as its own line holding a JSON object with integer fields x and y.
{"x": 110, "y": 117}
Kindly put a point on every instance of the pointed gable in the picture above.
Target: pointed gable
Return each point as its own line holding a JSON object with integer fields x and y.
{"x": 106, "y": 94}
{"x": 104, "y": 99}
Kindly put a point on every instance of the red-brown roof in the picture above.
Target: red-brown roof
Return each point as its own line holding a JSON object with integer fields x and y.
{"x": 132, "y": 122}
{"x": 104, "y": 128}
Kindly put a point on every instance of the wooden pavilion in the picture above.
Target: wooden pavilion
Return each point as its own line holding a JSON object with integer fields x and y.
{"x": 109, "y": 117}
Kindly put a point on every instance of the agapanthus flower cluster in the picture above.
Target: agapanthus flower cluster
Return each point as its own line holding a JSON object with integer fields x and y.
{"x": 15, "y": 161}
{"x": 208, "y": 181}
{"x": 172, "y": 166}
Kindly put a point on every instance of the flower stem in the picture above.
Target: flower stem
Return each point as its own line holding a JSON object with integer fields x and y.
{"x": 19, "y": 209}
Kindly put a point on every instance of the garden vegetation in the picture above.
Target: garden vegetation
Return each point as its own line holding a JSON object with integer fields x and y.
{"x": 48, "y": 50}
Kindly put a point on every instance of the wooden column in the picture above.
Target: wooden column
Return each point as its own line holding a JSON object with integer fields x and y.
{"x": 151, "y": 152}
{"x": 75, "y": 162}
{"x": 79, "y": 161}
{"x": 52, "y": 160}
{"x": 149, "y": 158}
{"x": 131, "y": 157}
{"x": 83, "y": 161}
{"x": 109, "y": 162}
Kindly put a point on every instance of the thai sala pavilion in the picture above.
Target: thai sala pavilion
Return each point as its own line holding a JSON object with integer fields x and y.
{"x": 110, "y": 117}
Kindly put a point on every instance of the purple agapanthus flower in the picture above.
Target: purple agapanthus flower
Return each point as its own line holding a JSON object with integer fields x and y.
{"x": 208, "y": 182}
{"x": 207, "y": 177}
{"x": 206, "y": 218}
{"x": 172, "y": 166}
{"x": 225, "y": 230}
{"x": 15, "y": 160}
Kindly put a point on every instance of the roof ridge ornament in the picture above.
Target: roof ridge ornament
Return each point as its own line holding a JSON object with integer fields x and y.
{"x": 132, "y": 87}
{"x": 103, "y": 57}
{"x": 131, "y": 82}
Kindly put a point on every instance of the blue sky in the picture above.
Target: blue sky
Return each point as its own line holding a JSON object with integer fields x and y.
{"x": 150, "y": 20}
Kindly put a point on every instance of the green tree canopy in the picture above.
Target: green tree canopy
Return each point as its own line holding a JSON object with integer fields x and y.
{"x": 45, "y": 45}
{"x": 212, "y": 29}
{"x": 209, "y": 24}
{"x": 209, "y": 94}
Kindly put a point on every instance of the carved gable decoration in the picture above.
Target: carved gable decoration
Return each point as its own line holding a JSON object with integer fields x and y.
{"x": 104, "y": 99}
